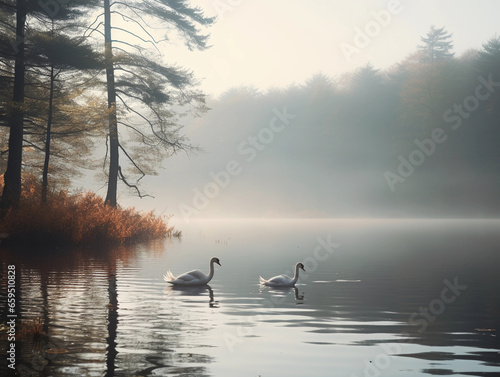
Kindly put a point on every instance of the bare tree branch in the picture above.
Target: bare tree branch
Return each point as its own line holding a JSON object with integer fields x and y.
{"x": 139, "y": 193}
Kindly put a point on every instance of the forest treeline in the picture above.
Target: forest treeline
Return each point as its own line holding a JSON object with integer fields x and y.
{"x": 419, "y": 138}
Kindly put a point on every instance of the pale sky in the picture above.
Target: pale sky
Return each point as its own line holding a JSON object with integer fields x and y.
{"x": 275, "y": 43}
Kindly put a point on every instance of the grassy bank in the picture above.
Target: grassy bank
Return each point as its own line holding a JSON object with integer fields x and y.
{"x": 77, "y": 219}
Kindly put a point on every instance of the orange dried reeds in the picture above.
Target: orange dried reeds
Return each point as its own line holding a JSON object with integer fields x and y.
{"x": 79, "y": 219}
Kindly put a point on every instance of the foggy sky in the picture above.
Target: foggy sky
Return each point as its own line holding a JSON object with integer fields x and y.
{"x": 280, "y": 42}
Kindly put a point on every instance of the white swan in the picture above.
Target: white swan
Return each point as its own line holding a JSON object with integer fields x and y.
{"x": 195, "y": 277}
{"x": 283, "y": 280}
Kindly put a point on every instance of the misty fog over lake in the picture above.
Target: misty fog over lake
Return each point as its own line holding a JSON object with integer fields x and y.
{"x": 382, "y": 128}
{"x": 331, "y": 149}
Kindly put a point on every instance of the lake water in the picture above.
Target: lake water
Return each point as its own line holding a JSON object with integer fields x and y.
{"x": 379, "y": 298}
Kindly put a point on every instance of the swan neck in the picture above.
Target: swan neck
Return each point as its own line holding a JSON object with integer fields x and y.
{"x": 296, "y": 276}
{"x": 211, "y": 271}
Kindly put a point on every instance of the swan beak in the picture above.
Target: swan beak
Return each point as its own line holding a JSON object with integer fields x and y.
{"x": 219, "y": 263}
{"x": 303, "y": 269}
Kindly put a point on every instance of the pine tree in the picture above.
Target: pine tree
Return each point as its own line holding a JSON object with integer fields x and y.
{"x": 53, "y": 57}
{"x": 488, "y": 64}
{"x": 488, "y": 59}
{"x": 12, "y": 178}
{"x": 139, "y": 87}
{"x": 19, "y": 11}
{"x": 437, "y": 45}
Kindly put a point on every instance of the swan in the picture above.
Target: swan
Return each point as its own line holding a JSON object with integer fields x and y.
{"x": 195, "y": 277}
{"x": 283, "y": 280}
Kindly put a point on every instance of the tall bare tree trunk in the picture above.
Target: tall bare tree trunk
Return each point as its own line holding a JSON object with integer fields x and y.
{"x": 45, "y": 174}
{"x": 113, "y": 123}
{"x": 12, "y": 179}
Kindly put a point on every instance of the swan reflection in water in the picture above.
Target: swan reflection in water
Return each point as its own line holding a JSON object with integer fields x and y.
{"x": 282, "y": 293}
{"x": 196, "y": 290}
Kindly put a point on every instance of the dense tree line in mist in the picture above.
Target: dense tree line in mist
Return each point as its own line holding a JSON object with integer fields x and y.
{"x": 422, "y": 137}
